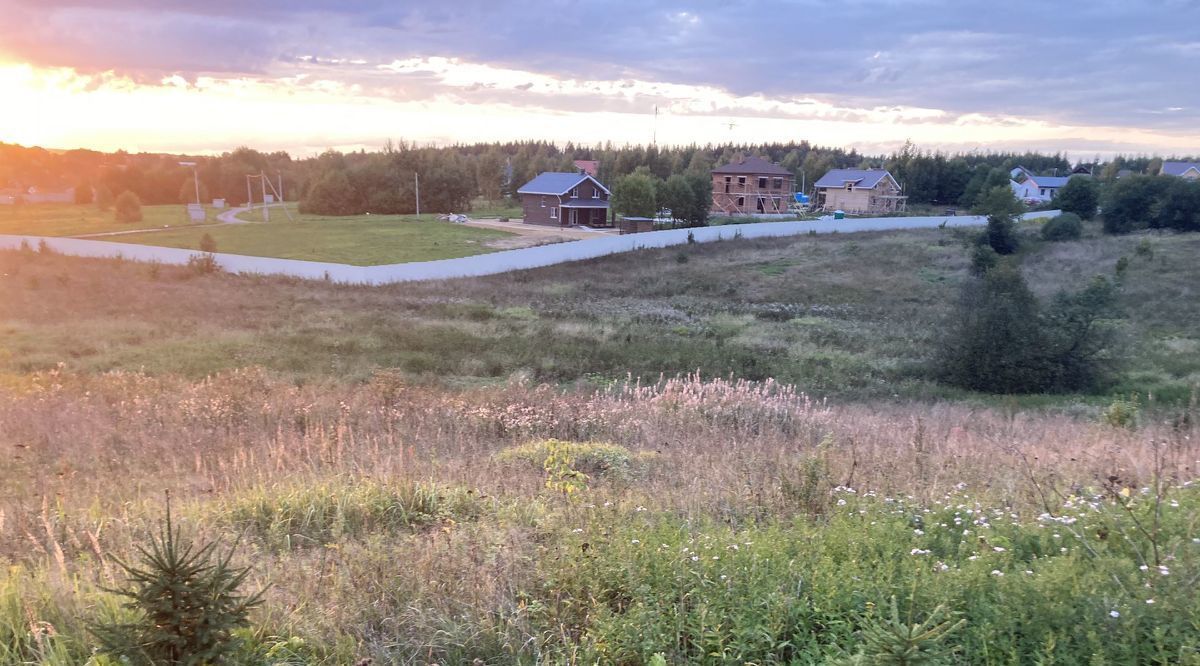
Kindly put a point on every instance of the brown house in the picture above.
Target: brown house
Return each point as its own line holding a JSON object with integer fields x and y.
{"x": 860, "y": 191}
{"x": 565, "y": 199}
{"x": 751, "y": 186}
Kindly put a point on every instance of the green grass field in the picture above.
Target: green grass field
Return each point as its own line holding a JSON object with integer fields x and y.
{"x": 76, "y": 220}
{"x": 364, "y": 240}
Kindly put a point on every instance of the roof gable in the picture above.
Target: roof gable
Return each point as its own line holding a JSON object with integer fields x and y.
{"x": 753, "y": 165}
{"x": 557, "y": 183}
{"x": 1179, "y": 168}
{"x": 861, "y": 178}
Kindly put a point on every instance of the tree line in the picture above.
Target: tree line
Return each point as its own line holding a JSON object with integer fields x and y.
{"x": 384, "y": 181}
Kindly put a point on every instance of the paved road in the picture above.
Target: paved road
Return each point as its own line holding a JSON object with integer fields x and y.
{"x": 497, "y": 262}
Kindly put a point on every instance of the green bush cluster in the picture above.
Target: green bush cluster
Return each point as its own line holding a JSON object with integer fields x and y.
{"x": 1001, "y": 339}
{"x": 1067, "y": 226}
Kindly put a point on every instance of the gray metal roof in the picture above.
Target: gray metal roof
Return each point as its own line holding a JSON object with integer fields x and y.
{"x": 753, "y": 165}
{"x": 1178, "y": 168}
{"x": 556, "y": 183}
{"x": 1049, "y": 181}
{"x": 865, "y": 178}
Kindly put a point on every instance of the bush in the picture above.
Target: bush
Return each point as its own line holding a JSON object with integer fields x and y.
{"x": 1067, "y": 226}
{"x": 187, "y": 602}
{"x": 208, "y": 244}
{"x": 1129, "y": 203}
{"x": 332, "y": 195}
{"x": 983, "y": 259}
{"x": 83, "y": 192}
{"x": 203, "y": 264}
{"x": 593, "y": 458}
{"x": 1179, "y": 206}
{"x": 1000, "y": 340}
{"x": 1001, "y": 209}
{"x": 1081, "y": 196}
{"x": 128, "y": 208}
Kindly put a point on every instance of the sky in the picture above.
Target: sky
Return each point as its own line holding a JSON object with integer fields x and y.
{"x": 1099, "y": 77}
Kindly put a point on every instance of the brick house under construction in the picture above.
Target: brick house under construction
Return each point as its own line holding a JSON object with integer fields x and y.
{"x": 752, "y": 186}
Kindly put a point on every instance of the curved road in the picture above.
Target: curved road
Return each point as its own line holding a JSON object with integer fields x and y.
{"x": 496, "y": 262}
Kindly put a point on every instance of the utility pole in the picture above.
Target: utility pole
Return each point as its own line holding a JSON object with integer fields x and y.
{"x": 280, "y": 192}
{"x": 249, "y": 194}
{"x": 417, "y": 187}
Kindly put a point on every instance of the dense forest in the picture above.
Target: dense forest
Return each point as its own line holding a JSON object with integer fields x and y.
{"x": 452, "y": 176}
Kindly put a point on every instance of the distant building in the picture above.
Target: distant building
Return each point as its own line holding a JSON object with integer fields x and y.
{"x": 565, "y": 199}
{"x": 860, "y": 191}
{"x": 1187, "y": 170}
{"x": 752, "y": 186}
{"x": 1047, "y": 186}
{"x": 36, "y": 195}
{"x": 1027, "y": 193}
{"x": 590, "y": 167}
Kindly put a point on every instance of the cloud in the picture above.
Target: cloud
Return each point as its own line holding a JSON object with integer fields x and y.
{"x": 1101, "y": 63}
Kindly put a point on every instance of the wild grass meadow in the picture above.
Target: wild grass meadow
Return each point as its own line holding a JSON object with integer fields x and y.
{"x": 529, "y": 468}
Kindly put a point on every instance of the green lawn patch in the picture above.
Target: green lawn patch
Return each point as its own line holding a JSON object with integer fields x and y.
{"x": 81, "y": 219}
{"x": 365, "y": 240}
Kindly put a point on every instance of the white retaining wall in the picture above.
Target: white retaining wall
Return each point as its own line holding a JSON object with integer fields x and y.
{"x": 488, "y": 264}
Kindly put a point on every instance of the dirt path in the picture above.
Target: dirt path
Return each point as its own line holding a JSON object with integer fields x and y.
{"x": 532, "y": 235}
{"x": 228, "y": 217}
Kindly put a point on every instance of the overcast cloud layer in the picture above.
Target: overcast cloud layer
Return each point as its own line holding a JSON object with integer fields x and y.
{"x": 1096, "y": 63}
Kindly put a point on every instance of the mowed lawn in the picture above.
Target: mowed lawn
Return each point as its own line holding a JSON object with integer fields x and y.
{"x": 82, "y": 219}
{"x": 367, "y": 240}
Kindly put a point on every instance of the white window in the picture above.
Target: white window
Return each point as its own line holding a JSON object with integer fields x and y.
{"x": 575, "y": 193}
{"x": 543, "y": 202}
{"x": 553, "y": 213}
{"x": 849, "y": 186}
{"x": 596, "y": 193}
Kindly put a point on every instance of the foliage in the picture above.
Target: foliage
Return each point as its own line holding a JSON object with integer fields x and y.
{"x": 331, "y": 195}
{"x": 1081, "y": 196}
{"x": 592, "y": 458}
{"x": 1063, "y": 227}
{"x": 1122, "y": 412}
{"x": 687, "y": 197}
{"x": 207, "y": 243}
{"x": 1129, "y": 203}
{"x": 634, "y": 196}
{"x": 1178, "y": 206}
{"x": 1001, "y": 209}
{"x": 889, "y": 641}
{"x": 104, "y": 197}
{"x": 127, "y": 208}
{"x": 1001, "y": 340}
{"x": 188, "y": 602}
{"x": 203, "y": 264}
{"x": 83, "y": 192}
{"x": 983, "y": 258}
{"x": 187, "y": 191}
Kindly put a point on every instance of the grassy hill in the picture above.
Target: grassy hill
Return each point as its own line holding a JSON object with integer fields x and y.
{"x": 467, "y": 472}
{"x": 852, "y": 316}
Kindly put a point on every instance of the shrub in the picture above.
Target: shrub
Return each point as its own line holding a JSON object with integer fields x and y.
{"x": 1001, "y": 209}
{"x": 1179, "y": 206}
{"x": 83, "y": 192}
{"x": 208, "y": 244}
{"x": 203, "y": 264}
{"x": 1080, "y": 196}
{"x": 187, "y": 600}
{"x": 983, "y": 259}
{"x": 128, "y": 208}
{"x": 999, "y": 339}
{"x": 1067, "y": 226}
{"x": 593, "y": 458}
{"x": 1129, "y": 202}
{"x": 332, "y": 195}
